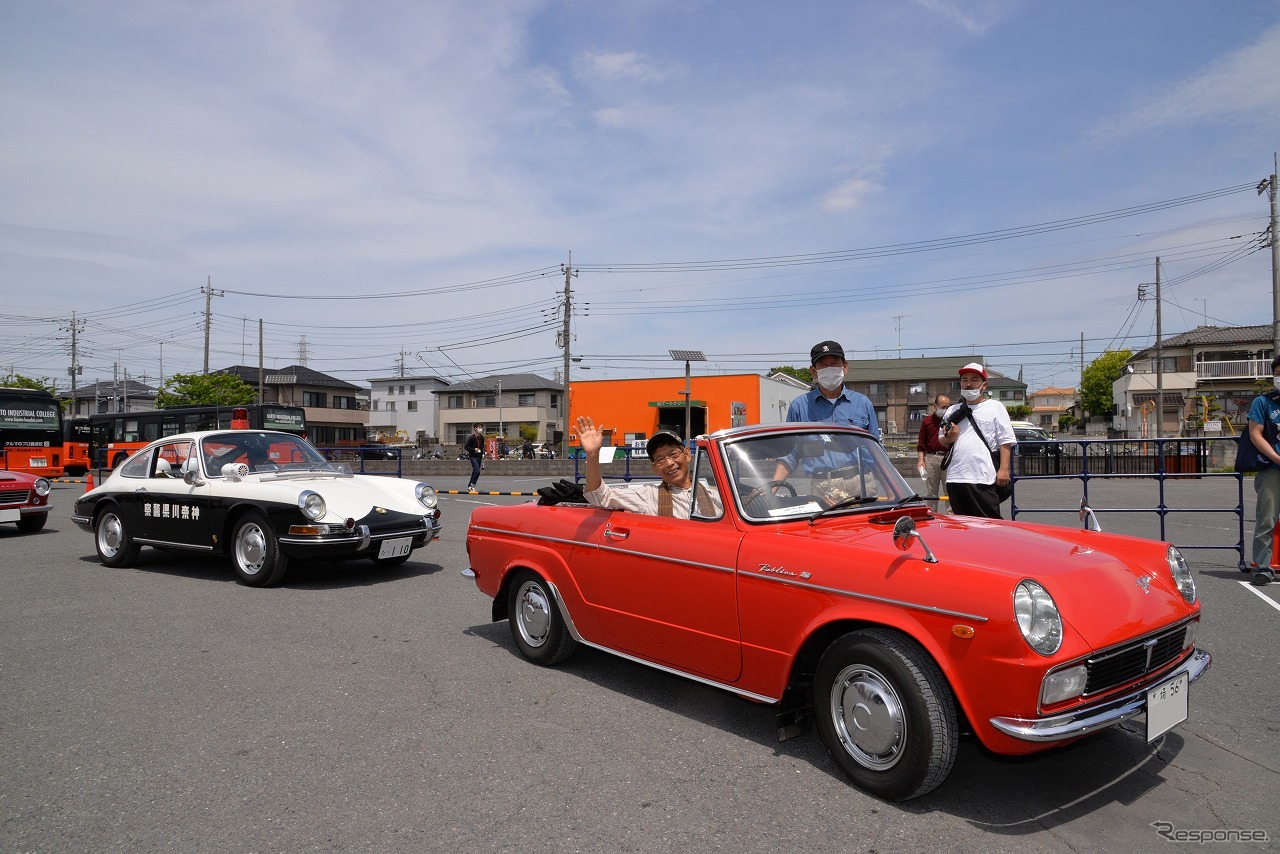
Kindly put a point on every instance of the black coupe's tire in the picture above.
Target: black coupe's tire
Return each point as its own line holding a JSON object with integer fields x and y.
{"x": 886, "y": 714}
{"x": 537, "y": 625}
{"x": 112, "y": 539}
{"x": 255, "y": 553}
{"x": 32, "y": 522}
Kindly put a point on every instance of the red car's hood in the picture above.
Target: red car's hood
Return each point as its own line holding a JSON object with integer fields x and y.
{"x": 1105, "y": 585}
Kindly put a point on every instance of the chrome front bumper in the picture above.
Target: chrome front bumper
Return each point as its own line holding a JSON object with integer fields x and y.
{"x": 1090, "y": 719}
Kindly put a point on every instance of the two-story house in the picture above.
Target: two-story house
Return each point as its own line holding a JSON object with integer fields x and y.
{"x": 404, "y": 408}
{"x": 502, "y": 403}
{"x": 1214, "y": 368}
{"x": 336, "y": 410}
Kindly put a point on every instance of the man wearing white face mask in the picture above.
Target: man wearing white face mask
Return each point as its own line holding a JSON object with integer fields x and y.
{"x": 829, "y": 400}
{"x": 974, "y": 479}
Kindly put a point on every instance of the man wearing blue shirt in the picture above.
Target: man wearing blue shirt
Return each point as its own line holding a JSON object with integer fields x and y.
{"x": 829, "y": 400}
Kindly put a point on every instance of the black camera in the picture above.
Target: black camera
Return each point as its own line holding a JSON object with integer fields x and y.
{"x": 961, "y": 413}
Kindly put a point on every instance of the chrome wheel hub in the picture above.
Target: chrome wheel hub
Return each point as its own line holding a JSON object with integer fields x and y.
{"x": 533, "y": 617}
{"x": 869, "y": 717}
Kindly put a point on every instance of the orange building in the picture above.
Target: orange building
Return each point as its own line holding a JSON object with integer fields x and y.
{"x": 633, "y": 410}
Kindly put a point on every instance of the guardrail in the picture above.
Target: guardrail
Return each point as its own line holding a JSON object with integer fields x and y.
{"x": 1161, "y": 460}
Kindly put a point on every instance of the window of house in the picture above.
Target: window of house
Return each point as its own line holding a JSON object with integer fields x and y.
{"x": 402, "y": 389}
{"x": 528, "y": 400}
{"x": 413, "y": 389}
{"x": 487, "y": 400}
{"x": 412, "y": 406}
{"x": 453, "y": 401}
{"x": 375, "y": 404}
{"x": 555, "y": 400}
{"x": 391, "y": 406}
{"x": 315, "y": 398}
{"x": 341, "y": 402}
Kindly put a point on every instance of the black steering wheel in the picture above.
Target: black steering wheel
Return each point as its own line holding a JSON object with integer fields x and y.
{"x": 767, "y": 490}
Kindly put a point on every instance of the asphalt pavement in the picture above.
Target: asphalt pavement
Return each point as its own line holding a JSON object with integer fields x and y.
{"x": 167, "y": 708}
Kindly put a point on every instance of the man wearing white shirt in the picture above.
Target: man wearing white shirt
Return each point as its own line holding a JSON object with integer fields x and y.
{"x": 974, "y": 480}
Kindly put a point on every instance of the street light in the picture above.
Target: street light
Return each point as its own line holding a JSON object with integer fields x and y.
{"x": 687, "y": 356}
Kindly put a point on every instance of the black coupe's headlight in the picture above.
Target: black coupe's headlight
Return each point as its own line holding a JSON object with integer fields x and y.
{"x": 312, "y": 505}
{"x": 426, "y": 495}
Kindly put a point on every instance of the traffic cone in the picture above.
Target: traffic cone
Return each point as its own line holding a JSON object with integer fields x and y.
{"x": 88, "y": 481}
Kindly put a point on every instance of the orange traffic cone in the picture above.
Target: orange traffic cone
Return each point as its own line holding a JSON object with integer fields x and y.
{"x": 88, "y": 481}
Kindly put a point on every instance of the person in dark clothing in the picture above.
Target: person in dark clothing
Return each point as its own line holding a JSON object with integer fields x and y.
{"x": 474, "y": 446}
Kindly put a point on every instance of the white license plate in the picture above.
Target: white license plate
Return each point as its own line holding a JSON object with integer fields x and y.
{"x": 1166, "y": 706}
{"x": 38, "y": 462}
{"x": 10, "y": 515}
{"x": 398, "y": 548}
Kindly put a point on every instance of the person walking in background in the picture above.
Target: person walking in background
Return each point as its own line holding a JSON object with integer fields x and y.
{"x": 474, "y": 446}
{"x": 929, "y": 450}
{"x": 978, "y": 431}
{"x": 1264, "y": 431}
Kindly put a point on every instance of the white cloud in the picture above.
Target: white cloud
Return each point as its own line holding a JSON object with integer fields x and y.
{"x": 1243, "y": 83}
{"x": 975, "y": 18}
{"x": 629, "y": 65}
{"x": 849, "y": 194}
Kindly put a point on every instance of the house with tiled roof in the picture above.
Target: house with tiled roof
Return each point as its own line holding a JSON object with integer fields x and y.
{"x": 1214, "y": 368}
{"x": 502, "y": 403}
{"x": 337, "y": 411}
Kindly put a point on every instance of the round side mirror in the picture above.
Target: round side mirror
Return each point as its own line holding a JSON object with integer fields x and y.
{"x": 904, "y": 531}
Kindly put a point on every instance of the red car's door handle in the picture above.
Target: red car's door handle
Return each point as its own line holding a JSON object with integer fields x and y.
{"x": 620, "y": 534}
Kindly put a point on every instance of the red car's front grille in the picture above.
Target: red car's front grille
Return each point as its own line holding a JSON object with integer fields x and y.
{"x": 14, "y": 496}
{"x": 1132, "y": 661}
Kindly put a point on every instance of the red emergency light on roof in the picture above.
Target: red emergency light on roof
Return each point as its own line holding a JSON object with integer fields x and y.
{"x": 239, "y": 418}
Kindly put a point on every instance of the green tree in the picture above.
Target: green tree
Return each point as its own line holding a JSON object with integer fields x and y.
{"x": 1019, "y": 412}
{"x": 529, "y": 431}
{"x": 12, "y": 380}
{"x": 1095, "y": 382}
{"x": 1066, "y": 422}
{"x": 802, "y": 374}
{"x": 215, "y": 389}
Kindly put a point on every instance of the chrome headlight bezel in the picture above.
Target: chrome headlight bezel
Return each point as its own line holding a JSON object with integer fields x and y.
{"x": 1181, "y": 573}
{"x": 1037, "y": 617}
{"x": 426, "y": 495}
{"x": 42, "y": 487}
{"x": 312, "y": 505}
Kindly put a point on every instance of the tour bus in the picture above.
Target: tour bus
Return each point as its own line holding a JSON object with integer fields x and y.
{"x": 30, "y": 432}
{"x": 75, "y": 445}
{"x": 115, "y": 435}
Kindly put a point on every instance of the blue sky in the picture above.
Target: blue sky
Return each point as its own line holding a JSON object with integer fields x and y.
{"x": 388, "y": 178}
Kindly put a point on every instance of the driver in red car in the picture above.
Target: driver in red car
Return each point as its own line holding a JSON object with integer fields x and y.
{"x": 673, "y": 496}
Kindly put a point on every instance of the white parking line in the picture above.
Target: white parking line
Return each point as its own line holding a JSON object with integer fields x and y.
{"x": 1257, "y": 591}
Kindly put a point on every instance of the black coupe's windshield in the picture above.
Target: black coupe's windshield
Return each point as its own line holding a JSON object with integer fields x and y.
{"x": 261, "y": 450}
{"x": 778, "y": 478}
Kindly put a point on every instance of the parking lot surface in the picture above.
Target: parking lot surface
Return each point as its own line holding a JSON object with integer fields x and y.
{"x": 168, "y": 708}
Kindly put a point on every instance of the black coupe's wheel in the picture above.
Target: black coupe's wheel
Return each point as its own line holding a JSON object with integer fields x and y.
{"x": 255, "y": 552}
{"x": 32, "y": 522}
{"x": 113, "y": 541}
{"x": 537, "y": 626}
{"x": 886, "y": 714}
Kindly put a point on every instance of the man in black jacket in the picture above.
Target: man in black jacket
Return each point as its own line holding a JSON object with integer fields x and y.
{"x": 474, "y": 446}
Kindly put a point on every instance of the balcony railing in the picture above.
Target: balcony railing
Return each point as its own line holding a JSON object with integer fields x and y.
{"x": 1239, "y": 369}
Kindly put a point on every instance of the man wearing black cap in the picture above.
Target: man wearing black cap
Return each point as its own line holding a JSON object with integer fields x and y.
{"x": 668, "y": 457}
{"x": 829, "y": 400}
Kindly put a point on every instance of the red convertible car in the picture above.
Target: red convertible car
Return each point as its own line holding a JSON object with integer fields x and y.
{"x": 838, "y": 597}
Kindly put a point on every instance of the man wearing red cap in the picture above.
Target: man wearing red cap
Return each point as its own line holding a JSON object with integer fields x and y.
{"x": 981, "y": 440}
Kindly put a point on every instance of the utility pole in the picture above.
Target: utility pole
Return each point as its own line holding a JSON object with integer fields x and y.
{"x": 1269, "y": 184}
{"x": 261, "y": 373}
{"x": 75, "y": 370}
{"x": 1159, "y": 359}
{"x": 565, "y": 333}
{"x": 209, "y": 294}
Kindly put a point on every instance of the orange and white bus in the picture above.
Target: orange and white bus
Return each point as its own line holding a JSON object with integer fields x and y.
{"x": 113, "y": 436}
{"x": 75, "y": 445}
{"x": 30, "y": 432}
